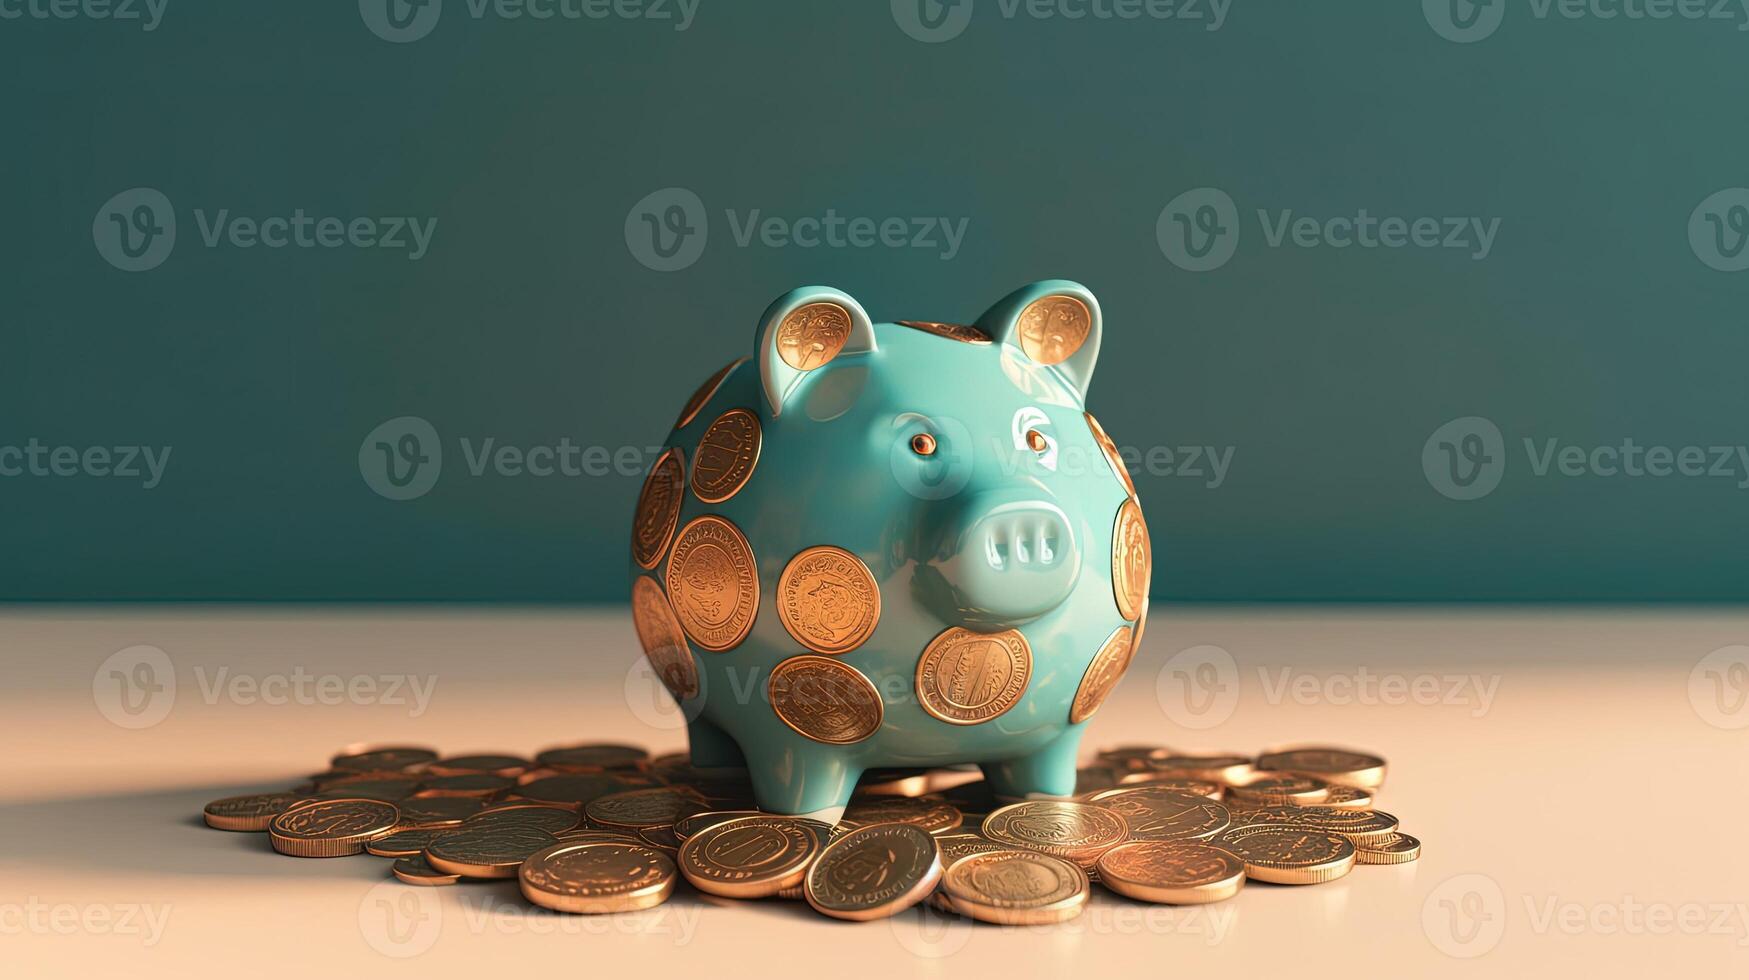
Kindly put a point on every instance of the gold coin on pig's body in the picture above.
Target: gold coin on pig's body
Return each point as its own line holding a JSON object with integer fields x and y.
{"x": 1052, "y": 328}
{"x": 825, "y": 699}
{"x": 811, "y": 335}
{"x": 967, "y": 678}
{"x": 663, "y": 640}
{"x": 713, "y": 583}
{"x": 701, "y": 397}
{"x": 1103, "y": 673}
{"x": 1132, "y": 560}
{"x": 658, "y": 508}
{"x": 1112, "y": 457}
{"x": 828, "y": 600}
{"x": 726, "y": 456}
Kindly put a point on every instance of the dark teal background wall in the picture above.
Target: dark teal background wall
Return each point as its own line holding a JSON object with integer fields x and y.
{"x": 1321, "y": 373}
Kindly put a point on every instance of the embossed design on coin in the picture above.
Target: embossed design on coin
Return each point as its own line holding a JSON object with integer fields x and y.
{"x": 952, "y": 331}
{"x": 1360, "y": 826}
{"x": 551, "y": 818}
{"x": 1332, "y": 765}
{"x": 252, "y": 812}
{"x": 751, "y": 857}
{"x": 713, "y": 583}
{"x": 1112, "y": 456}
{"x": 702, "y": 396}
{"x": 828, "y": 600}
{"x": 1075, "y": 831}
{"x": 1016, "y": 888}
{"x": 1279, "y": 791}
{"x": 429, "y": 812}
{"x": 663, "y": 640}
{"x": 929, "y": 815}
{"x": 1102, "y": 675}
{"x": 1289, "y": 855}
{"x": 825, "y": 699}
{"x": 641, "y": 808}
{"x": 658, "y": 508}
{"x": 726, "y": 455}
{"x": 1132, "y": 560}
{"x": 874, "y": 872}
{"x": 965, "y": 678}
{"x": 1053, "y": 328}
{"x": 492, "y": 852}
{"x": 1393, "y": 848}
{"x": 813, "y": 334}
{"x": 1174, "y": 872}
{"x": 597, "y": 877}
{"x": 1231, "y": 770}
{"x": 1156, "y": 813}
{"x": 332, "y": 828}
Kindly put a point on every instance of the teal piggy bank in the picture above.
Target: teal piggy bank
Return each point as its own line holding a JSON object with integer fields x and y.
{"x": 894, "y": 544}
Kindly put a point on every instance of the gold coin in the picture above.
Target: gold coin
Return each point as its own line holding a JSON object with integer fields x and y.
{"x": 597, "y": 877}
{"x": 956, "y": 845}
{"x": 593, "y": 757}
{"x": 813, "y": 334}
{"x": 658, "y": 508}
{"x": 874, "y": 872}
{"x": 1393, "y": 848}
{"x": 1053, "y": 328}
{"x": 1279, "y": 791}
{"x": 964, "y": 678}
{"x": 477, "y": 784}
{"x": 1227, "y": 769}
{"x": 396, "y": 758}
{"x": 1289, "y": 855}
{"x": 496, "y": 765}
{"x": 332, "y": 828}
{"x": 1112, "y": 456}
{"x": 1141, "y": 625}
{"x": 713, "y": 583}
{"x": 1131, "y": 758}
{"x": 929, "y": 815}
{"x": 952, "y": 331}
{"x": 641, "y": 808}
{"x": 1075, "y": 831}
{"x": 1132, "y": 560}
{"x": 415, "y": 870}
{"x": 828, "y": 600}
{"x": 405, "y": 843}
{"x": 568, "y": 789}
{"x": 1171, "y": 872}
{"x": 428, "y": 813}
{"x": 687, "y": 826}
{"x": 1339, "y": 766}
{"x": 824, "y": 699}
{"x": 705, "y": 391}
{"x": 487, "y": 852}
{"x": 1348, "y": 796}
{"x": 1102, "y": 675}
{"x": 252, "y": 812}
{"x": 1154, "y": 780}
{"x": 524, "y": 813}
{"x": 663, "y": 640}
{"x": 749, "y": 857}
{"x": 726, "y": 455}
{"x": 388, "y": 789}
{"x": 1362, "y": 827}
{"x": 1157, "y": 813}
{"x": 1016, "y": 888}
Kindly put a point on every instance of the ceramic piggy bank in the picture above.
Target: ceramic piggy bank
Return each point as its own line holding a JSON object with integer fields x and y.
{"x": 893, "y": 545}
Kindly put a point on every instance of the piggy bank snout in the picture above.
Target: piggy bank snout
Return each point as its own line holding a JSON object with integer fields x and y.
{"x": 1009, "y": 557}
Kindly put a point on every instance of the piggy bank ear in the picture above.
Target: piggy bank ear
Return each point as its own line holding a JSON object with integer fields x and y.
{"x": 802, "y": 331}
{"x": 1054, "y": 323}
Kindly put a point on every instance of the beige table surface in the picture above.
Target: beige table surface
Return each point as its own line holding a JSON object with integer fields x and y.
{"x": 1580, "y": 780}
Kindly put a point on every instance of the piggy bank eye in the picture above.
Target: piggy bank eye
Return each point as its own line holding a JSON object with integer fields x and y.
{"x": 923, "y": 444}
{"x": 1036, "y": 441}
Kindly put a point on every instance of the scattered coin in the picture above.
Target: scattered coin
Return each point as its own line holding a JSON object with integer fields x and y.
{"x": 540, "y": 816}
{"x": 593, "y": 757}
{"x": 597, "y": 877}
{"x": 749, "y": 857}
{"x": 687, "y": 826}
{"x": 1280, "y": 791}
{"x": 252, "y": 812}
{"x": 1228, "y": 770}
{"x": 494, "y": 765}
{"x": 1289, "y": 855}
{"x": 1016, "y": 888}
{"x": 415, "y": 870}
{"x": 1076, "y": 831}
{"x": 405, "y": 843}
{"x": 398, "y": 758}
{"x": 933, "y": 816}
{"x": 874, "y": 872}
{"x": 332, "y": 828}
{"x": 473, "y": 784}
{"x": 1159, "y": 814}
{"x": 1172, "y": 872}
{"x": 1359, "y": 826}
{"x": 1348, "y": 796}
{"x": 572, "y": 789}
{"x": 388, "y": 789}
{"x": 640, "y": 808}
{"x": 490, "y": 852}
{"x": 1392, "y": 848}
{"x": 955, "y": 845}
{"x": 1343, "y": 767}
{"x": 423, "y": 813}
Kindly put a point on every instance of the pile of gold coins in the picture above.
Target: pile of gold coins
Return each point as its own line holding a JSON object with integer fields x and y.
{"x": 607, "y": 828}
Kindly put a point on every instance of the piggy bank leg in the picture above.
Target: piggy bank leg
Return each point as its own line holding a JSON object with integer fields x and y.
{"x": 1048, "y": 772}
{"x": 711, "y": 746}
{"x": 803, "y": 779}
